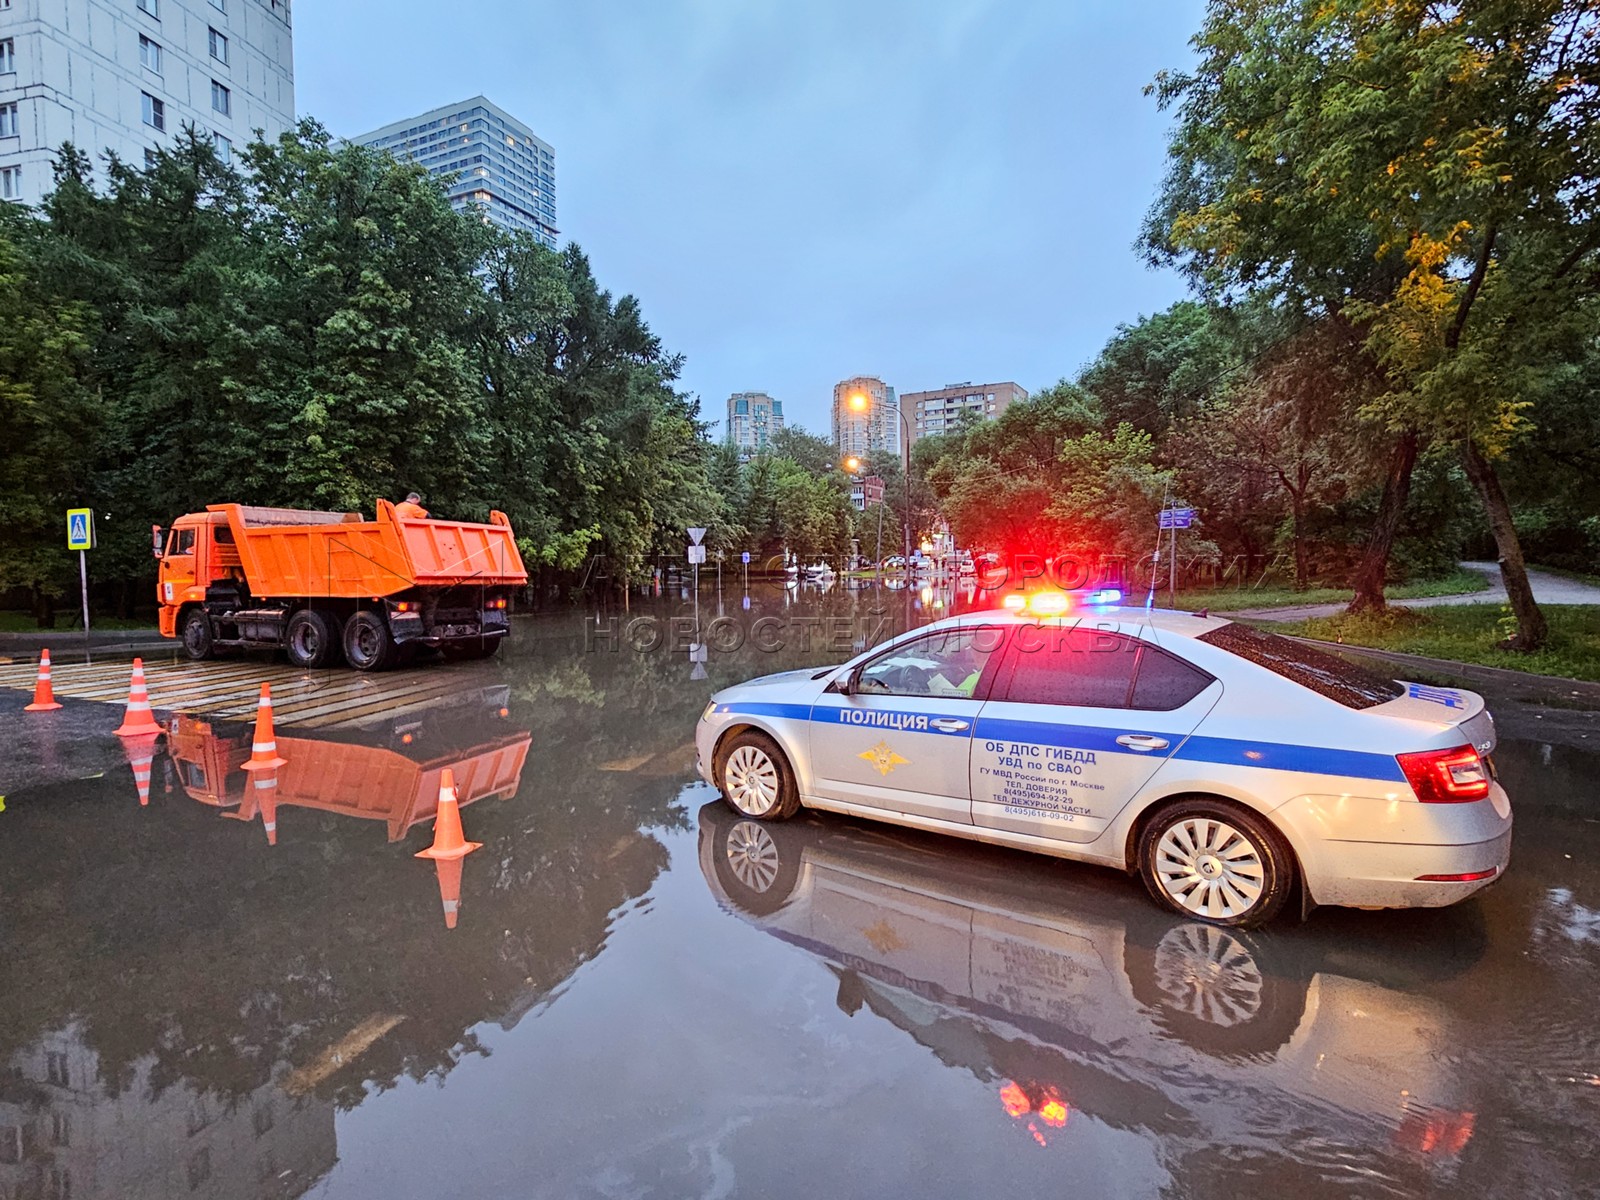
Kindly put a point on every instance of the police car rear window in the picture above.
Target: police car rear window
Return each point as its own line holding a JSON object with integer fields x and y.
{"x": 1326, "y": 674}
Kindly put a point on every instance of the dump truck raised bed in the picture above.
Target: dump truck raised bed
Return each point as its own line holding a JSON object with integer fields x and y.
{"x": 322, "y": 584}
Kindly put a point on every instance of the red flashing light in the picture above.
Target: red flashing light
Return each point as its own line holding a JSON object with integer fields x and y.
{"x": 1467, "y": 878}
{"x": 1454, "y": 776}
{"x": 1015, "y": 1101}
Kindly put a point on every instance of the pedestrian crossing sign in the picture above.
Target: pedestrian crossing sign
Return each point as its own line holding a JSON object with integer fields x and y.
{"x": 80, "y": 529}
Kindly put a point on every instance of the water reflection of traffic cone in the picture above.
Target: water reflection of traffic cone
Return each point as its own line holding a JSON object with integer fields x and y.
{"x": 266, "y": 785}
{"x": 139, "y": 720}
{"x": 44, "y": 696}
{"x": 449, "y": 872}
{"x": 264, "y": 747}
{"x": 449, "y": 847}
{"x": 141, "y": 752}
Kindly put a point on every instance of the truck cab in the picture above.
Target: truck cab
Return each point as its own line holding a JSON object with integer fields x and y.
{"x": 199, "y": 552}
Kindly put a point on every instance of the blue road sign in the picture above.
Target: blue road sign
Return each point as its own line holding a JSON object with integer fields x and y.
{"x": 745, "y": 558}
{"x": 80, "y": 529}
{"x": 1177, "y": 518}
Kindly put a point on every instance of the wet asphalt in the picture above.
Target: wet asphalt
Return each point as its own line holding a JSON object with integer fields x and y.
{"x": 241, "y": 991}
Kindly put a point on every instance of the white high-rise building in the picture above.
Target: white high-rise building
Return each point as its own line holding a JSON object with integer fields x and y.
{"x": 485, "y": 158}
{"x": 754, "y": 419}
{"x": 129, "y": 75}
{"x": 866, "y": 416}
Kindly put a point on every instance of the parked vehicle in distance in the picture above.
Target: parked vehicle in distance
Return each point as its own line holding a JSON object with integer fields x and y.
{"x": 325, "y": 584}
{"x": 1232, "y": 769}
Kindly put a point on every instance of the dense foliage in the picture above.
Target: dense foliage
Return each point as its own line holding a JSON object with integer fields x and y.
{"x": 320, "y": 329}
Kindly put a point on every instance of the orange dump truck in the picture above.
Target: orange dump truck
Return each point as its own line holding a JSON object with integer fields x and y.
{"x": 322, "y": 584}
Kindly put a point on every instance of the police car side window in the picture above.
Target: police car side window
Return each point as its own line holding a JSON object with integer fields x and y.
{"x": 1165, "y": 682}
{"x": 1086, "y": 668}
{"x": 943, "y": 664}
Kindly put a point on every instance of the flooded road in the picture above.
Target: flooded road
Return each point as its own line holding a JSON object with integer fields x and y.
{"x": 244, "y": 991}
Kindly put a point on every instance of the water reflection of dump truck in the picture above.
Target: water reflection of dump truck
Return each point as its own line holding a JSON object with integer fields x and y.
{"x": 326, "y": 585}
{"x": 1065, "y": 993}
{"x": 391, "y": 775}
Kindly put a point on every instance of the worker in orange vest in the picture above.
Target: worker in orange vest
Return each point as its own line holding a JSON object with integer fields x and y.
{"x": 411, "y": 508}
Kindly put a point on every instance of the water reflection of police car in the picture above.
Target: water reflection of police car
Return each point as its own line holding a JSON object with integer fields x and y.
{"x": 1231, "y": 768}
{"x": 1066, "y": 995}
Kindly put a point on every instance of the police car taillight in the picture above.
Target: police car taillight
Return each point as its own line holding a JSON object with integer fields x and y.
{"x": 1446, "y": 776}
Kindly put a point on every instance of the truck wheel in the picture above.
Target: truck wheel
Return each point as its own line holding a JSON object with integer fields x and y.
{"x": 196, "y": 634}
{"x": 367, "y": 644}
{"x": 310, "y": 639}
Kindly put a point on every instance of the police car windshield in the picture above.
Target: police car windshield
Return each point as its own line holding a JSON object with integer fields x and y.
{"x": 1326, "y": 674}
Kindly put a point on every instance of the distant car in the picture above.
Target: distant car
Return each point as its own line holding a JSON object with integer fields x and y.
{"x": 1232, "y": 769}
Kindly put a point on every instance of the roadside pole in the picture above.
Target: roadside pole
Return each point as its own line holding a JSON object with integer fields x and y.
{"x": 80, "y": 537}
{"x": 1173, "y": 519}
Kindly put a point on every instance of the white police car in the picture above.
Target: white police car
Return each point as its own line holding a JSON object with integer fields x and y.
{"x": 1231, "y": 768}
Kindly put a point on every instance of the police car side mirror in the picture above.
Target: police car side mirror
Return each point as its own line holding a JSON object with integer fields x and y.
{"x": 845, "y": 684}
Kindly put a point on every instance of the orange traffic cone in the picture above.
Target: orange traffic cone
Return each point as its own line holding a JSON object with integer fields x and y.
{"x": 449, "y": 847}
{"x": 141, "y": 752}
{"x": 264, "y": 748}
{"x": 44, "y": 696}
{"x": 139, "y": 720}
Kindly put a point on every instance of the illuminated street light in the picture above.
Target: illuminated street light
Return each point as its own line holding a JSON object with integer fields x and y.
{"x": 859, "y": 401}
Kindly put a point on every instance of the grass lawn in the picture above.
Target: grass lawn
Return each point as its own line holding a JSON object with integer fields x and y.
{"x": 1230, "y": 599}
{"x": 1469, "y": 633}
{"x": 67, "y": 622}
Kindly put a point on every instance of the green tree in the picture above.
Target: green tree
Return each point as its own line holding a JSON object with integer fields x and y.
{"x": 50, "y": 418}
{"x": 1427, "y": 169}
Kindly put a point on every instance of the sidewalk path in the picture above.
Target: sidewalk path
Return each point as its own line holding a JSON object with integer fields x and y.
{"x": 1547, "y": 589}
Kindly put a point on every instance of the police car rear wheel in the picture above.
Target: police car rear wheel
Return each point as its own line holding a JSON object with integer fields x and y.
{"x": 755, "y": 777}
{"x": 1216, "y": 863}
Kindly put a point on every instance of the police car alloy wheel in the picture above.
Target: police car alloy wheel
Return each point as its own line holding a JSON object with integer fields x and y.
{"x": 755, "y": 778}
{"x": 1215, "y": 863}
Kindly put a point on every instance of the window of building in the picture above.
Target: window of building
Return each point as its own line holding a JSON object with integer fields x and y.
{"x": 10, "y": 1145}
{"x": 154, "y": 111}
{"x": 55, "y": 1068}
{"x": 220, "y": 5}
{"x": 221, "y": 99}
{"x": 8, "y": 55}
{"x": 60, "y": 1128}
{"x": 152, "y": 7}
{"x": 5, "y": 5}
{"x": 150, "y": 158}
{"x": 223, "y": 147}
{"x": 10, "y": 126}
{"x": 219, "y": 46}
{"x": 149, "y": 54}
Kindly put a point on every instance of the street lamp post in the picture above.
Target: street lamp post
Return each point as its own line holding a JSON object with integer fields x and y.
{"x": 861, "y": 403}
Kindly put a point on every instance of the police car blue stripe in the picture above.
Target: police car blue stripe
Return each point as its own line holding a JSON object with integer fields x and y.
{"x": 761, "y": 708}
{"x": 1279, "y": 756}
{"x": 1233, "y": 752}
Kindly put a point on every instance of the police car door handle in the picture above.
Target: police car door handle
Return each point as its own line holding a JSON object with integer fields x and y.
{"x": 1142, "y": 742}
{"x": 949, "y": 724}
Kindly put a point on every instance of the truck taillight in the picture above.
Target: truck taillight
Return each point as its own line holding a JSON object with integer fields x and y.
{"x": 1452, "y": 776}
{"x": 500, "y": 603}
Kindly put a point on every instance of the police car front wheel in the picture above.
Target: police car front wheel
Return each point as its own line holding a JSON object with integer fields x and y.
{"x": 1216, "y": 862}
{"x": 754, "y": 776}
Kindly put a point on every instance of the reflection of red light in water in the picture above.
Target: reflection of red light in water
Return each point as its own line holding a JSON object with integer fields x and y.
{"x": 1015, "y": 1100}
{"x": 1440, "y": 1133}
{"x": 1042, "y": 1101}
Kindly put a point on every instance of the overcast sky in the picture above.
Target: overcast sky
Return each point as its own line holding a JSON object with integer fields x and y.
{"x": 800, "y": 190}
